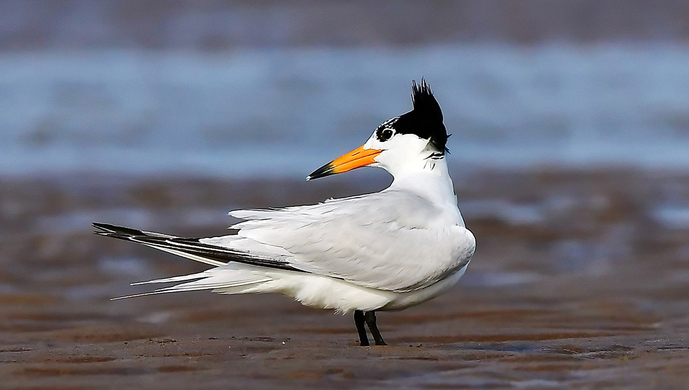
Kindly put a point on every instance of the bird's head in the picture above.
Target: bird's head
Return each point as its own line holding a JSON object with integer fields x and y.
{"x": 414, "y": 136}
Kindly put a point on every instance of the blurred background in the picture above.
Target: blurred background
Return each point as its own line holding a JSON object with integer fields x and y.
{"x": 569, "y": 152}
{"x": 242, "y": 88}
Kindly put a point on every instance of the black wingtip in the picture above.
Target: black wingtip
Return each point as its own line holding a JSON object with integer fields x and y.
{"x": 214, "y": 255}
{"x": 109, "y": 230}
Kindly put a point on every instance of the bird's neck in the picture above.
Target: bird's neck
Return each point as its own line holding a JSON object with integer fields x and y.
{"x": 428, "y": 178}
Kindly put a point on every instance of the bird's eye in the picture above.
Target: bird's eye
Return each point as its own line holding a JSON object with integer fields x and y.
{"x": 384, "y": 134}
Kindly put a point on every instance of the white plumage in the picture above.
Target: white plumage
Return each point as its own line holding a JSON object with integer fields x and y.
{"x": 382, "y": 251}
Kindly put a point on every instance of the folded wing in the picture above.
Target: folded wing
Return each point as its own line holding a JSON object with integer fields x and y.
{"x": 389, "y": 240}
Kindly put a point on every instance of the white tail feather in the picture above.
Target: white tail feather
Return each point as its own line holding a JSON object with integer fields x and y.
{"x": 188, "y": 255}
{"x": 229, "y": 279}
{"x": 181, "y": 278}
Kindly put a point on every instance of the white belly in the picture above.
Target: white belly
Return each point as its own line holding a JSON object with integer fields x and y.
{"x": 328, "y": 293}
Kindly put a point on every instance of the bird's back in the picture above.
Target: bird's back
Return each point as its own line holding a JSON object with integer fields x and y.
{"x": 392, "y": 240}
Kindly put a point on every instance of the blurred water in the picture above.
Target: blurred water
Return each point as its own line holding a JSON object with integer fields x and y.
{"x": 283, "y": 112}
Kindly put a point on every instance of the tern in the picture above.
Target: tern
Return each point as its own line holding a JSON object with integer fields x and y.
{"x": 387, "y": 250}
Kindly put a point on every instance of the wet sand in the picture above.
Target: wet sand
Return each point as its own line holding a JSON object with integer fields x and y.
{"x": 580, "y": 280}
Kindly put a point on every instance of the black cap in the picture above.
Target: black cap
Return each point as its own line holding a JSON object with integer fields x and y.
{"x": 426, "y": 119}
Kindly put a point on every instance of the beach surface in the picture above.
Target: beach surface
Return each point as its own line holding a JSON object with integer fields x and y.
{"x": 580, "y": 280}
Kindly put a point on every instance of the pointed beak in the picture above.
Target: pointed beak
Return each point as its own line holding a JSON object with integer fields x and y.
{"x": 358, "y": 157}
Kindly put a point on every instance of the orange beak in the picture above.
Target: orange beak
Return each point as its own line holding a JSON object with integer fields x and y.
{"x": 358, "y": 157}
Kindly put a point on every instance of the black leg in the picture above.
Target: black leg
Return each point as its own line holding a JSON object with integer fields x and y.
{"x": 370, "y": 317}
{"x": 359, "y": 321}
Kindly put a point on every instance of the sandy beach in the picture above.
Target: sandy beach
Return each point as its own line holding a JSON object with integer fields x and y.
{"x": 580, "y": 280}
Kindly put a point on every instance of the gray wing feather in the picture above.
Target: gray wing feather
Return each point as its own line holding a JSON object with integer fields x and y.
{"x": 388, "y": 240}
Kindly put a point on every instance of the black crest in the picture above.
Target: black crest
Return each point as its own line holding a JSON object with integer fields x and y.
{"x": 426, "y": 119}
